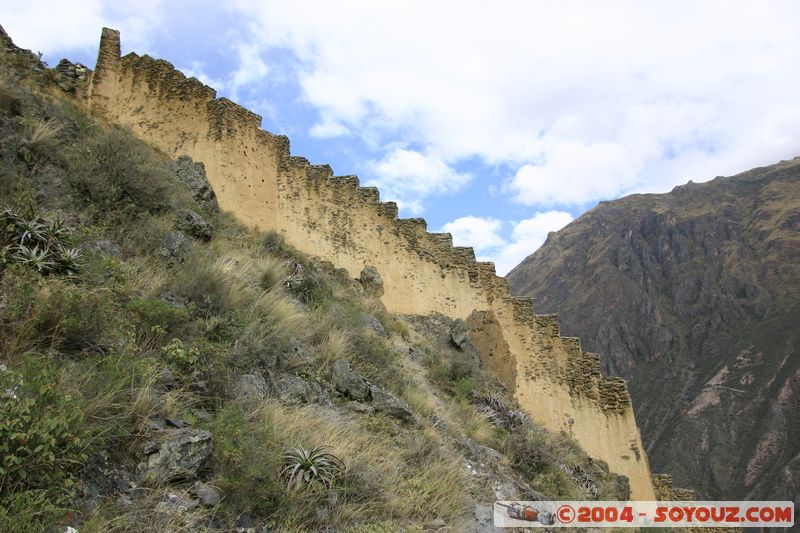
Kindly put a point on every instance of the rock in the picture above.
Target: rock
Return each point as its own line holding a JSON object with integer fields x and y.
{"x": 246, "y": 521}
{"x": 203, "y": 415}
{"x": 178, "y": 454}
{"x": 360, "y": 408}
{"x": 176, "y": 423}
{"x": 417, "y": 354}
{"x": 348, "y": 382}
{"x": 194, "y": 225}
{"x": 483, "y": 520}
{"x": 371, "y": 280}
{"x": 107, "y": 247}
{"x": 297, "y": 354}
{"x": 290, "y": 389}
{"x": 458, "y": 334}
{"x": 70, "y": 75}
{"x": 374, "y": 325}
{"x": 389, "y": 404}
{"x": 208, "y": 495}
{"x": 249, "y": 387}
{"x": 174, "y": 246}
{"x": 174, "y": 502}
{"x": 194, "y": 176}
{"x": 172, "y": 299}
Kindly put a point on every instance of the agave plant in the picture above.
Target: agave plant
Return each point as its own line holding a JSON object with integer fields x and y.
{"x": 67, "y": 261}
{"x": 38, "y": 244}
{"x": 31, "y": 230}
{"x": 35, "y": 258}
{"x": 498, "y": 413}
{"x": 55, "y": 231}
{"x": 304, "y": 467}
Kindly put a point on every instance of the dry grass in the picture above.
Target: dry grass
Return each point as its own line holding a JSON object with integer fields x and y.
{"x": 404, "y": 482}
{"x": 41, "y": 134}
{"x": 461, "y": 417}
{"x": 335, "y": 345}
{"x": 145, "y": 514}
{"x": 118, "y": 393}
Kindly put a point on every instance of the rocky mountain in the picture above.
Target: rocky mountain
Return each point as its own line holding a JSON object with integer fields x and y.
{"x": 694, "y": 297}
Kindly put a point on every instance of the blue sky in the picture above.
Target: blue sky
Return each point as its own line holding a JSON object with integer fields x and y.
{"x": 495, "y": 121}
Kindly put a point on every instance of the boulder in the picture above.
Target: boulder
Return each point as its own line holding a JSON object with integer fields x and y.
{"x": 371, "y": 280}
{"x": 374, "y": 325}
{"x": 176, "y": 503}
{"x": 290, "y": 389}
{"x": 349, "y": 383}
{"x": 208, "y": 495}
{"x": 389, "y": 404}
{"x": 249, "y": 387}
{"x": 458, "y": 334}
{"x": 174, "y": 246}
{"x": 194, "y": 225}
{"x": 193, "y": 175}
{"x": 177, "y": 454}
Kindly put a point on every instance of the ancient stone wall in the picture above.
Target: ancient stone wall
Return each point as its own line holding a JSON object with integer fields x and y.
{"x": 332, "y": 217}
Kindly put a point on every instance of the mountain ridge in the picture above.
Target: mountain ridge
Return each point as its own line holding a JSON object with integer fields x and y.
{"x": 693, "y": 294}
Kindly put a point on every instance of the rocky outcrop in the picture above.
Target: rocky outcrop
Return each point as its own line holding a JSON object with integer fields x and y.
{"x": 193, "y": 175}
{"x": 350, "y": 384}
{"x": 694, "y": 297}
{"x": 194, "y": 225}
{"x": 177, "y": 454}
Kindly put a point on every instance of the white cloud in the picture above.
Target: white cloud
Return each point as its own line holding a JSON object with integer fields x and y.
{"x": 251, "y": 68}
{"x": 328, "y": 129}
{"x": 527, "y": 236}
{"x": 408, "y": 176}
{"x": 55, "y": 26}
{"x": 581, "y": 99}
{"x": 480, "y": 233}
{"x": 484, "y": 234}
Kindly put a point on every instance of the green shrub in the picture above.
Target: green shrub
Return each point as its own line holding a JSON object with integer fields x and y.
{"x": 528, "y": 453}
{"x": 74, "y": 319}
{"x": 307, "y": 285}
{"x": 178, "y": 355}
{"x": 373, "y": 358}
{"x": 206, "y": 285}
{"x": 28, "y": 511}
{"x": 247, "y": 462}
{"x": 117, "y": 172}
{"x": 41, "y": 432}
{"x": 153, "y": 317}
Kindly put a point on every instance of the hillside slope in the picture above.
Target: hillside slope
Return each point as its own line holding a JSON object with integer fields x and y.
{"x": 161, "y": 364}
{"x": 694, "y": 296}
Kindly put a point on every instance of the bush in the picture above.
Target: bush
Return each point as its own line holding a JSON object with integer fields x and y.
{"x": 41, "y": 432}
{"x": 114, "y": 170}
{"x": 74, "y": 319}
{"x": 207, "y": 286}
{"x": 307, "y": 285}
{"x": 247, "y": 461}
{"x": 157, "y": 317}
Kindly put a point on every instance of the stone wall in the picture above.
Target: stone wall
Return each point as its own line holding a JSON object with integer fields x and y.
{"x": 332, "y": 217}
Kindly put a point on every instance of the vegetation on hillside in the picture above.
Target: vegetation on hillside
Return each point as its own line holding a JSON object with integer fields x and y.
{"x": 132, "y": 316}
